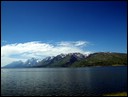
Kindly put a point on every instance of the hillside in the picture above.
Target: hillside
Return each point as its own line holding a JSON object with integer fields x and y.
{"x": 103, "y": 59}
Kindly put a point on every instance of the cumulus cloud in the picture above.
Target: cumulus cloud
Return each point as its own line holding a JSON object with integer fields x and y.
{"x": 37, "y": 49}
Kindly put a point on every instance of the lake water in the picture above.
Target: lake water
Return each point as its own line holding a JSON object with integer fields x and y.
{"x": 63, "y": 81}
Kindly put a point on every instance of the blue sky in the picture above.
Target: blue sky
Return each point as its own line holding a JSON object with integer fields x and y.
{"x": 102, "y": 24}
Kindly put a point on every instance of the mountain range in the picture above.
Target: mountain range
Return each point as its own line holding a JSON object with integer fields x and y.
{"x": 73, "y": 60}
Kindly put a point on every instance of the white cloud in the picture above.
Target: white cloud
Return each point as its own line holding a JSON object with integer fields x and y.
{"x": 81, "y": 43}
{"x": 24, "y": 51}
{"x": 73, "y": 43}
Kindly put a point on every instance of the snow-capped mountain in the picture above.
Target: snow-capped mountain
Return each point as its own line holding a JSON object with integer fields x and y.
{"x": 62, "y": 55}
{"x": 19, "y": 64}
{"x": 74, "y": 60}
{"x": 31, "y": 62}
{"x": 60, "y": 59}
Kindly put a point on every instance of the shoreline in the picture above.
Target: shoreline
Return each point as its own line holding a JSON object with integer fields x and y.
{"x": 116, "y": 94}
{"x": 60, "y": 67}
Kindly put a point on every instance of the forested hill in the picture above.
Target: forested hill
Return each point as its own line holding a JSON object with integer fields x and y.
{"x": 103, "y": 59}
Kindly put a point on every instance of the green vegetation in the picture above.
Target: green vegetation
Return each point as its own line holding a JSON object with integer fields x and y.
{"x": 103, "y": 59}
{"x": 117, "y": 94}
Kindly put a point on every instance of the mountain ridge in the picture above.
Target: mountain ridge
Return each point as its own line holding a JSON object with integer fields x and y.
{"x": 74, "y": 60}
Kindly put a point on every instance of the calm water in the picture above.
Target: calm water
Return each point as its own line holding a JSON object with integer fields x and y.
{"x": 63, "y": 81}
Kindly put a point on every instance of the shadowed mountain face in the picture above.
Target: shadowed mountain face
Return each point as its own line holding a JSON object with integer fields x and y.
{"x": 74, "y": 60}
{"x": 18, "y": 64}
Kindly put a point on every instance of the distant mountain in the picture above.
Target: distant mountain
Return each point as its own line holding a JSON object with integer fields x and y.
{"x": 74, "y": 60}
{"x": 19, "y": 64}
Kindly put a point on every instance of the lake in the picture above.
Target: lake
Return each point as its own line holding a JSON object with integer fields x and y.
{"x": 88, "y": 81}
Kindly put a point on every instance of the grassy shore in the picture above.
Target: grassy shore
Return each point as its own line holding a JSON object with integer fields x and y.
{"x": 116, "y": 94}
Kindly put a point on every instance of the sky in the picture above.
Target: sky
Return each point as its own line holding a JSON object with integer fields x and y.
{"x": 47, "y": 28}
